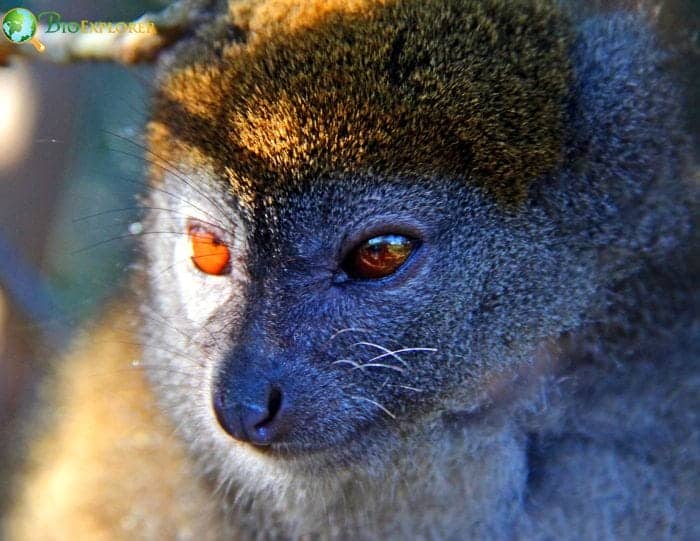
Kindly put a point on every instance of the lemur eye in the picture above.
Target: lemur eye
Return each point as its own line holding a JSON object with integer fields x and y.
{"x": 209, "y": 253}
{"x": 378, "y": 257}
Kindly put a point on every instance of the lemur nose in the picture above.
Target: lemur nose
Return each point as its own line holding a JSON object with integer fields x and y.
{"x": 257, "y": 423}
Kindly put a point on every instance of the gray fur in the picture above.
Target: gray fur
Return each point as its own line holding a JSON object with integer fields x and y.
{"x": 555, "y": 389}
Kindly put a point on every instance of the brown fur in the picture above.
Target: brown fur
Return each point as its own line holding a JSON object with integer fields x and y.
{"x": 404, "y": 104}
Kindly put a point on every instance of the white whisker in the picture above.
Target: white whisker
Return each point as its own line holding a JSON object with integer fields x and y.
{"x": 355, "y": 397}
{"x": 403, "y": 350}
{"x": 348, "y": 329}
{"x": 379, "y": 365}
{"x": 387, "y": 352}
{"x": 409, "y": 388}
{"x": 348, "y": 361}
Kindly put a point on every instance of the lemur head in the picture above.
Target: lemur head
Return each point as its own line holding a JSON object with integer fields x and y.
{"x": 368, "y": 213}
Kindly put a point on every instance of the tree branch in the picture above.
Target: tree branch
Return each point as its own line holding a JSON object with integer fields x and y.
{"x": 125, "y": 48}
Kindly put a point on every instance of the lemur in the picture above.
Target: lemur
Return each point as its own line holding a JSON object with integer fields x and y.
{"x": 419, "y": 269}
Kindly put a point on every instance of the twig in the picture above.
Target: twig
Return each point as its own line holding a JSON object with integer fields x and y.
{"x": 125, "y": 47}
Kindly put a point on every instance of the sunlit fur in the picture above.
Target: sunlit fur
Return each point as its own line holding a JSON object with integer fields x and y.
{"x": 530, "y": 372}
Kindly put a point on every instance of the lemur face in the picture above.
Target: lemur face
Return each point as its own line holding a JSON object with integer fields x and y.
{"x": 347, "y": 241}
{"x": 341, "y": 200}
{"x": 340, "y": 313}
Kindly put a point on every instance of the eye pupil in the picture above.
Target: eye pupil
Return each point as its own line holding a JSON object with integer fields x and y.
{"x": 209, "y": 254}
{"x": 378, "y": 257}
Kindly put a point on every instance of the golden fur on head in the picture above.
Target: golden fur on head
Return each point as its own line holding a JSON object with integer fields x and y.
{"x": 474, "y": 90}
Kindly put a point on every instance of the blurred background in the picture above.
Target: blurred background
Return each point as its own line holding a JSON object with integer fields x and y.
{"x": 70, "y": 169}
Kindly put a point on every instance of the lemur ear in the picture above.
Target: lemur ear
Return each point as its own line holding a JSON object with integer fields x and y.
{"x": 626, "y": 159}
{"x": 211, "y": 26}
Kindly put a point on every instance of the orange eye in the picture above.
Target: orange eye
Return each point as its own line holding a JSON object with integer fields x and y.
{"x": 209, "y": 253}
{"x": 378, "y": 257}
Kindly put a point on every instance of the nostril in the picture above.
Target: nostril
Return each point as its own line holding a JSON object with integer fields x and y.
{"x": 260, "y": 422}
{"x": 274, "y": 402}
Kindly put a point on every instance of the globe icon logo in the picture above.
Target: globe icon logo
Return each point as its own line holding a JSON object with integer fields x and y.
{"x": 19, "y": 25}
